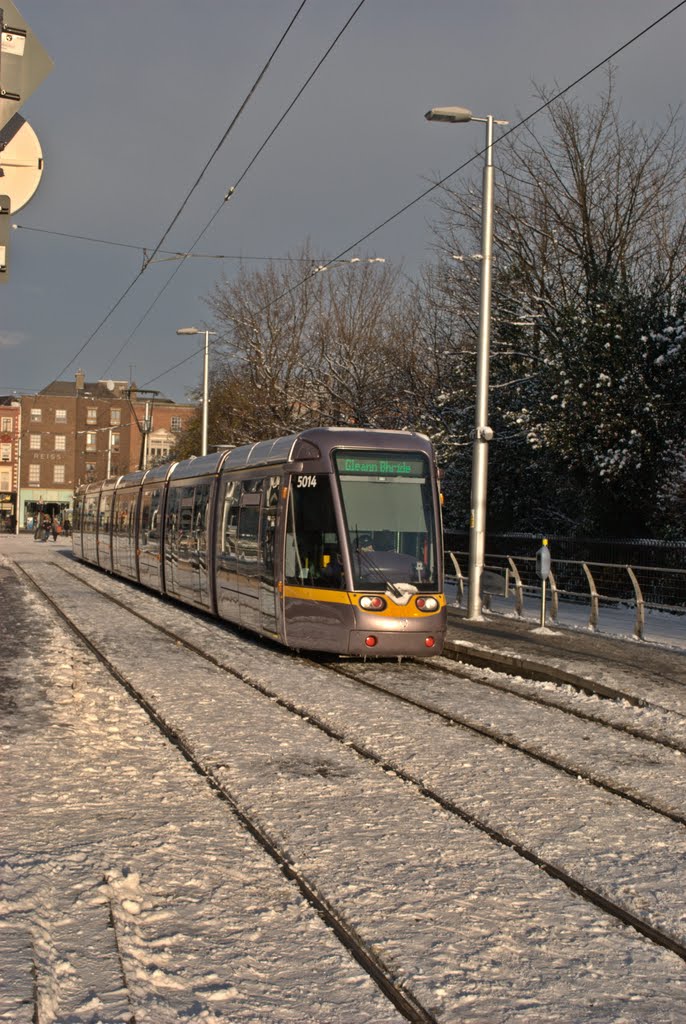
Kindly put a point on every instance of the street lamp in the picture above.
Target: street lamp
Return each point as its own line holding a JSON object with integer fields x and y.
{"x": 482, "y": 432}
{"x": 205, "y": 380}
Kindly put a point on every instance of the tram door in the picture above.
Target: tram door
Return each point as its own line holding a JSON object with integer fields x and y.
{"x": 150, "y": 537}
{"x": 186, "y": 542}
{"x": 226, "y": 558}
{"x": 244, "y": 554}
{"x": 268, "y": 596}
{"x": 103, "y": 541}
{"x": 248, "y": 554}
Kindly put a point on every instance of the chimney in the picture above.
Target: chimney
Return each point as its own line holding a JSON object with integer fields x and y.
{"x": 80, "y": 380}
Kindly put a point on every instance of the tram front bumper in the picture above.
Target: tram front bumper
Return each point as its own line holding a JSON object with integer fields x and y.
{"x": 377, "y": 637}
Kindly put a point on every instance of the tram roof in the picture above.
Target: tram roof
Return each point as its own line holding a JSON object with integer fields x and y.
{"x": 280, "y": 450}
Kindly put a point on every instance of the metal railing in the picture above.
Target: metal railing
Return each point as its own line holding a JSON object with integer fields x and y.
{"x": 598, "y": 584}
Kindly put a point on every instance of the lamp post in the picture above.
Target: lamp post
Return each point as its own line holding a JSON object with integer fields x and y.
{"x": 205, "y": 380}
{"x": 482, "y": 432}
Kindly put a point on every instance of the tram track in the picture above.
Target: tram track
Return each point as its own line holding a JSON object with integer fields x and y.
{"x": 500, "y": 737}
{"x": 588, "y": 687}
{"x": 495, "y": 735}
{"x": 370, "y": 960}
{"x": 401, "y": 999}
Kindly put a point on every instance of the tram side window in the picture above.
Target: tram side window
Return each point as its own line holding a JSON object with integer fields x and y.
{"x": 89, "y": 512}
{"x": 104, "y": 515}
{"x": 150, "y": 519}
{"x": 249, "y": 527}
{"x": 232, "y": 497}
{"x": 122, "y": 515}
{"x": 312, "y": 545}
{"x": 202, "y": 497}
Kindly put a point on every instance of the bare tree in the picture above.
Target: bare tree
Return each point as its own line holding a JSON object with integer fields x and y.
{"x": 306, "y": 343}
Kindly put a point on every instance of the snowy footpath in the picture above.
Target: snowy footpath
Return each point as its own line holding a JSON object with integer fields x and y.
{"x": 130, "y": 890}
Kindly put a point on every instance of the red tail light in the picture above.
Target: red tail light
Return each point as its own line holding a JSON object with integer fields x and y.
{"x": 371, "y": 641}
{"x": 429, "y": 641}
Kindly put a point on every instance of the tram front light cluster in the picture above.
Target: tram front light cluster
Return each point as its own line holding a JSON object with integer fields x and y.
{"x": 427, "y": 604}
{"x": 372, "y": 603}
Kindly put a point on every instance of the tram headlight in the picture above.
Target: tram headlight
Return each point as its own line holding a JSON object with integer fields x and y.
{"x": 427, "y": 604}
{"x": 372, "y": 603}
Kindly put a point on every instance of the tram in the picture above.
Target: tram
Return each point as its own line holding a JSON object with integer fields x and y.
{"x": 325, "y": 540}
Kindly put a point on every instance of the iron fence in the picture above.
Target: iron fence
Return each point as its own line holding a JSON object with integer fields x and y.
{"x": 596, "y": 584}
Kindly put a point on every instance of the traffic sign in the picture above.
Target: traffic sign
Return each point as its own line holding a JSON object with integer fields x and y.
{"x": 24, "y": 62}
{"x": 21, "y": 162}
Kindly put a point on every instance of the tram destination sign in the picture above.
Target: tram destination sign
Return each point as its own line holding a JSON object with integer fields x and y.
{"x": 380, "y": 464}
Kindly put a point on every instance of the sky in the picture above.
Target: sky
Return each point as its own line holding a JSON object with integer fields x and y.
{"x": 142, "y": 94}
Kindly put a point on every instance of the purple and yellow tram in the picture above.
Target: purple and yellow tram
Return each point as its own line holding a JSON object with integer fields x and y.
{"x": 326, "y": 540}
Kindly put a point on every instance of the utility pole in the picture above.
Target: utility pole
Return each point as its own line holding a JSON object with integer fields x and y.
{"x": 146, "y": 425}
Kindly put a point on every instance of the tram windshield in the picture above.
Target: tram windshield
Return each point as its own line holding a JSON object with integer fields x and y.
{"x": 388, "y": 505}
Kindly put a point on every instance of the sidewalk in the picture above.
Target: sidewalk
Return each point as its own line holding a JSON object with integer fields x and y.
{"x": 564, "y": 655}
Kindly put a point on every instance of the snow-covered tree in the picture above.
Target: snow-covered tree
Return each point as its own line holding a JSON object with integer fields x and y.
{"x": 587, "y": 364}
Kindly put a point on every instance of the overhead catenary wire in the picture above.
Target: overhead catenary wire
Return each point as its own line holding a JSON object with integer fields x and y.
{"x": 231, "y": 190}
{"x": 441, "y": 183}
{"x": 406, "y": 206}
{"x": 195, "y": 185}
{"x": 520, "y": 124}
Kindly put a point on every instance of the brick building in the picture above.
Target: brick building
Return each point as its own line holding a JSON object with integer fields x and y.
{"x": 73, "y": 432}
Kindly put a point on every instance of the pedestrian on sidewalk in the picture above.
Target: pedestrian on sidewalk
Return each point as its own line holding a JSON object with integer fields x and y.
{"x": 55, "y": 528}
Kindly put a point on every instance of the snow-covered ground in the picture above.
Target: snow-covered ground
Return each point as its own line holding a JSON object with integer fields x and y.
{"x": 128, "y": 887}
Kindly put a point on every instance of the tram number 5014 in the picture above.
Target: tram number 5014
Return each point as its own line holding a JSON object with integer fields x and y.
{"x": 306, "y": 481}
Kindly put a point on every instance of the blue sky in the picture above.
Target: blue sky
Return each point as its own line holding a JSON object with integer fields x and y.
{"x": 142, "y": 92}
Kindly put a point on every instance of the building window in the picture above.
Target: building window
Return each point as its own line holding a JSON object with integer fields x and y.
{"x": 60, "y": 415}
{"x": 5, "y": 480}
{"x": 115, "y": 417}
{"x": 6, "y": 426}
{"x": 34, "y": 442}
{"x": 60, "y": 442}
{"x": 34, "y": 475}
{"x": 36, "y": 415}
{"x": 115, "y": 441}
{"x": 176, "y": 423}
{"x": 91, "y": 415}
{"x": 5, "y": 454}
{"x": 90, "y": 471}
{"x": 91, "y": 441}
{"x": 58, "y": 474}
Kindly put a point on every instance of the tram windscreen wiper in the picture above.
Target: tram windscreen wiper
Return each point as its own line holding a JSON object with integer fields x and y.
{"x": 371, "y": 564}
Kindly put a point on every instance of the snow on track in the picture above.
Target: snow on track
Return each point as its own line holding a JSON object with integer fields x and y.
{"x": 475, "y": 931}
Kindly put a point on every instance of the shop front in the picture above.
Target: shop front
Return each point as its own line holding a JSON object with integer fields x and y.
{"x": 34, "y": 506}
{"x": 8, "y": 512}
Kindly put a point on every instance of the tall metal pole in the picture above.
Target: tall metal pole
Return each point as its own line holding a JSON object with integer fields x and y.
{"x": 482, "y": 431}
{"x": 205, "y": 393}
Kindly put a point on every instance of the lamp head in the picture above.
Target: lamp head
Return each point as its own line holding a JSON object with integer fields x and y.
{"x": 454, "y": 115}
